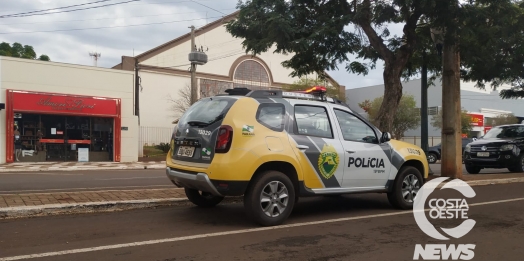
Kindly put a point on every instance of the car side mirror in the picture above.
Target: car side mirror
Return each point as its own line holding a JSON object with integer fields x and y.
{"x": 386, "y": 136}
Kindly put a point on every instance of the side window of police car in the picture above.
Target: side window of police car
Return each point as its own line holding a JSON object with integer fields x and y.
{"x": 354, "y": 129}
{"x": 312, "y": 121}
{"x": 271, "y": 115}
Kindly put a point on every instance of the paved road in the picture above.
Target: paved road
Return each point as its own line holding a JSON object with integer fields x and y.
{"x": 53, "y": 181}
{"x": 367, "y": 229}
{"x": 92, "y": 180}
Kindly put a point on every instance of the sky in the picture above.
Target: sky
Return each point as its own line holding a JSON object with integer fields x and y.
{"x": 129, "y": 28}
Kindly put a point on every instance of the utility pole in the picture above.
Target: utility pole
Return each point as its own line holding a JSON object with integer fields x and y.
{"x": 451, "y": 163}
{"x": 424, "y": 105}
{"x": 195, "y": 57}
{"x": 194, "y": 91}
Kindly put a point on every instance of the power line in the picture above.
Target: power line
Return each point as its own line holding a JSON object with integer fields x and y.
{"x": 106, "y": 27}
{"x": 206, "y": 6}
{"x": 80, "y": 9}
{"x": 56, "y": 8}
{"x": 117, "y": 17}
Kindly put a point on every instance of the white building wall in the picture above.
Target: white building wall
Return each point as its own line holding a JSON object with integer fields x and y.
{"x": 41, "y": 76}
{"x": 224, "y": 49}
{"x": 156, "y": 97}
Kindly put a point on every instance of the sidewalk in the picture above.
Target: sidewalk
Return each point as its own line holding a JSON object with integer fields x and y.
{"x": 72, "y": 166}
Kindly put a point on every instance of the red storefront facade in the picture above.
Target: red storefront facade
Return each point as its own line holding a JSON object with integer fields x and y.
{"x": 60, "y": 105}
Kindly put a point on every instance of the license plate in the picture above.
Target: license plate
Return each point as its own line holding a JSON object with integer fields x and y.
{"x": 482, "y": 154}
{"x": 185, "y": 151}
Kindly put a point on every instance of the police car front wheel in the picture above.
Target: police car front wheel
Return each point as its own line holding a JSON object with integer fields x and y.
{"x": 405, "y": 188}
{"x": 270, "y": 198}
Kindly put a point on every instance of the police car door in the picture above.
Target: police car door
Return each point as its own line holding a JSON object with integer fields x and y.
{"x": 367, "y": 161}
{"x": 318, "y": 143}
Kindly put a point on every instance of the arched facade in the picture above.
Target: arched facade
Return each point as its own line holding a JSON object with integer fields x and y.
{"x": 251, "y": 74}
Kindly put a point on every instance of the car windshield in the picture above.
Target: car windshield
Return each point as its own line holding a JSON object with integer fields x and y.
{"x": 204, "y": 111}
{"x": 502, "y": 132}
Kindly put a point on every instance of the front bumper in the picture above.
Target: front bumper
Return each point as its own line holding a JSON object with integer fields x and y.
{"x": 496, "y": 160}
{"x": 199, "y": 181}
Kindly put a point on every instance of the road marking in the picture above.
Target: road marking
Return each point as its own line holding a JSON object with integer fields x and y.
{"x": 97, "y": 189}
{"x": 225, "y": 233}
{"x": 155, "y": 177}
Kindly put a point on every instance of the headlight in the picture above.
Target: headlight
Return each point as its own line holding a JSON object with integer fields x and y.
{"x": 507, "y": 147}
{"x": 468, "y": 148}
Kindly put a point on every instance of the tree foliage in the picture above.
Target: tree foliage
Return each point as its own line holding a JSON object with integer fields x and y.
{"x": 466, "y": 121}
{"x": 306, "y": 83}
{"x": 503, "y": 119}
{"x": 21, "y": 51}
{"x": 315, "y": 32}
{"x": 406, "y": 118}
{"x": 322, "y": 34}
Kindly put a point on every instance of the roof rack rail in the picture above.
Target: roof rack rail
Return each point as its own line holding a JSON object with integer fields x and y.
{"x": 281, "y": 94}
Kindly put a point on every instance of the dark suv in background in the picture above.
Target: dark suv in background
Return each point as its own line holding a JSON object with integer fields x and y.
{"x": 501, "y": 147}
{"x": 434, "y": 152}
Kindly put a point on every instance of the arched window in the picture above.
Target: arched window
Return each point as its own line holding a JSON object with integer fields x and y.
{"x": 252, "y": 75}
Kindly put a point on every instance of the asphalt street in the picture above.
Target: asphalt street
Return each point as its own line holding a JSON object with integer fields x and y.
{"x": 93, "y": 180}
{"x": 351, "y": 227}
{"x": 55, "y": 181}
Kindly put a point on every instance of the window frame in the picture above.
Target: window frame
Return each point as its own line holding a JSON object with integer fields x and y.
{"x": 295, "y": 124}
{"x": 268, "y": 105}
{"x": 364, "y": 122}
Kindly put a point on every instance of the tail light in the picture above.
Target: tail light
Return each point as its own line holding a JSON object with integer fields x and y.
{"x": 224, "y": 138}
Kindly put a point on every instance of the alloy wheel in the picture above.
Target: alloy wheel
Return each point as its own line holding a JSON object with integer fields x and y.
{"x": 432, "y": 158}
{"x": 410, "y": 187}
{"x": 274, "y": 198}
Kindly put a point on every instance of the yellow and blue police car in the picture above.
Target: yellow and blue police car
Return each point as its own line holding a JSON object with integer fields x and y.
{"x": 273, "y": 146}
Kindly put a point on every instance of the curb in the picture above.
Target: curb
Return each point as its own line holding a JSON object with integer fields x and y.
{"x": 114, "y": 206}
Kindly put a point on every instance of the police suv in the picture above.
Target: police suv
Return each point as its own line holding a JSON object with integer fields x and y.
{"x": 273, "y": 147}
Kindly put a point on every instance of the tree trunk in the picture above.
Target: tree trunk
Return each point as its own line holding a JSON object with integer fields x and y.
{"x": 392, "y": 91}
{"x": 451, "y": 114}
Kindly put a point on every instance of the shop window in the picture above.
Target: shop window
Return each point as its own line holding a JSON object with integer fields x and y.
{"x": 47, "y": 137}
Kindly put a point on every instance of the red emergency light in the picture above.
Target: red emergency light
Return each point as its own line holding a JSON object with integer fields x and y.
{"x": 316, "y": 89}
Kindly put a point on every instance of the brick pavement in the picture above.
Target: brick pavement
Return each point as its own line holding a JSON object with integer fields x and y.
{"x": 72, "y": 166}
{"x": 42, "y": 199}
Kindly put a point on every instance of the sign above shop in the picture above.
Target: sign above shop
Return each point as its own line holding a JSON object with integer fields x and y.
{"x": 477, "y": 119}
{"x": 63, "y": 104}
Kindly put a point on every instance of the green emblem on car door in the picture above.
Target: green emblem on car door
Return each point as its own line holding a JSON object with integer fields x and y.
{"x": 328, "y": 161}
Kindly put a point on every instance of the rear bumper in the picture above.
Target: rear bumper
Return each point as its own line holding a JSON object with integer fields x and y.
{"x": 199, "y": 181}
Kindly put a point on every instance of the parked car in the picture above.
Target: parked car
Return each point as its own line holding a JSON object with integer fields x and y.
{"x": 274, "y": 147}
{"x": 434, "y": 153}
{"x": 501, "y": 147}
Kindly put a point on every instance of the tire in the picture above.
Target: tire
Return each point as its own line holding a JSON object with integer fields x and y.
{"x": 407, "y": 175}
{"x": 272, "y": 183}
{"x": 472, "y": 169}
{"x": 204, "y": 199}
{"x": 432, "y": 158}
{"x": 519, "y": 167}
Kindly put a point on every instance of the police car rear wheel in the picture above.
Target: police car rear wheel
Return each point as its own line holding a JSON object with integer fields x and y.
{"x": 270, "y": 199}
{"x": 405, "y": 188}
{"x": 202, "y": 199}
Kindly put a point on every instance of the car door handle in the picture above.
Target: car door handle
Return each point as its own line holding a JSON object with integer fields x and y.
{"x": 349, "y": 151}
{"x": 302, "y": 147}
